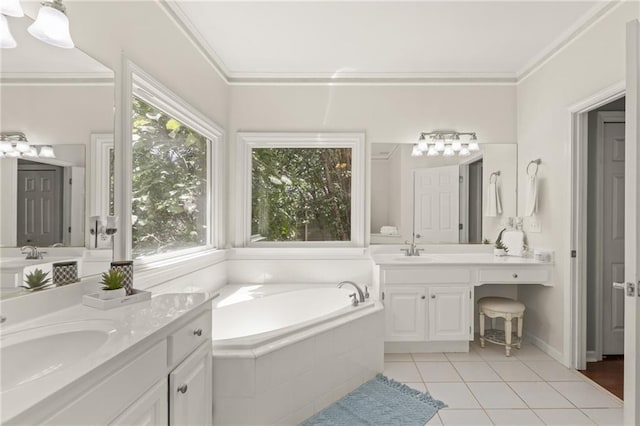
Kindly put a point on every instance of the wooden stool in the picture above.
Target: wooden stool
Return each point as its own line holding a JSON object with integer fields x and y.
{"x": 501, "y": 307}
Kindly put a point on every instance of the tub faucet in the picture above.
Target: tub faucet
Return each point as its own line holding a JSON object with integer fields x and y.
{"x": 33, "y": 252}
{"x": 361, "y": 295}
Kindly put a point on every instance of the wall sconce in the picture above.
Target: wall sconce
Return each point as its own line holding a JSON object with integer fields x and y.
{"x": 104, "y": 227}
{"x": 51, "y": 25}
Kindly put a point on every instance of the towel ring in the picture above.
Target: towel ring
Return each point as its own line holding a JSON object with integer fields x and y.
{"x": 494, "y": 174}
{"x": 536, "y": 162}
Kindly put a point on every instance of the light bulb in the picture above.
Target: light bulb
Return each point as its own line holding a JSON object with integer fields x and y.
{"x": 52, "y": 25}
{"x": 439, "y": 146}
{"x": 6, "y": 39}
{"x": 416, "y": 152}
{"x": 12, "y": 154}
{"x": 11, "y": 8}
{"x": 456, "y": 146}
{"x": 22, "y": 146}
{"x": 433, "y": 152}
{"x": 423, "y": 146}
{"x": 31, "y": 152}
{"x": 464, "y": 152}
{"x": 448, "y": 151}
{"x": 473, "y": 146}
{"x": 5, "y": 146}
{"x": 47, "y": 152}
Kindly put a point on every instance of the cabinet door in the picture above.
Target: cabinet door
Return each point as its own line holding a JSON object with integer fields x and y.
{"x": 150, "y": 409}
{"x": 190, "y": 397}
{"x": 449, "y": 313}
{"x": 405, "y": 313}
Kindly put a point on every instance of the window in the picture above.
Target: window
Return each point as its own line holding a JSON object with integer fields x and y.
{"x": 174, "y": 184}
{"x": 303, "y": 189}
{"x": 169, "y": 183}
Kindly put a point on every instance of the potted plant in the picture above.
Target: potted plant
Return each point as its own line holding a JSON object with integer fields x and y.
{"x": 112, "y": 285}
{"x": 36, "y": 280}
{"x": 499, "y": 247}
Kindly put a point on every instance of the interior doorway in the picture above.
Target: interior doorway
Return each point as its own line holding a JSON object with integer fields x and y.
{"x": 605, "y": 246}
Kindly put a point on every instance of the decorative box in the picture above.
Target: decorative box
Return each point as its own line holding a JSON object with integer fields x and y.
{"x": 65, "y": 273}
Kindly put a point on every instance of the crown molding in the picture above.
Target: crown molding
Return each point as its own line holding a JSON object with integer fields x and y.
{"x": 588, "y": 20}
{"x": 56, "y": 79}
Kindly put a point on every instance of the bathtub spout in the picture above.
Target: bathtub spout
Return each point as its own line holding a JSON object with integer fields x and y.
{"x": 356, "y": 286}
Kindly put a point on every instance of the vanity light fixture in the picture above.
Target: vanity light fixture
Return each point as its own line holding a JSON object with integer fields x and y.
{"x": 6, "y": 39}
{"x": 447, "y": 143}
{"x": 51, "y": 25}
{"x": 16, "y": 145}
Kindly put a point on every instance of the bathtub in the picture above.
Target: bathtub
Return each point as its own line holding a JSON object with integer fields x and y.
{"x": 282, "y": 352}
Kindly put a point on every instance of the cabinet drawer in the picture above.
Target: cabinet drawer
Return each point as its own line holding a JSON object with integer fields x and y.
{"x": 427, "y": 276}
{"x": 183, "y": 341}
{"x": 108, "y": 398}
{"x": 514, "y": 275}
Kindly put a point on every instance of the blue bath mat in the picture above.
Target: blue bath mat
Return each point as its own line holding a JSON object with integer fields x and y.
{"x": 380, "y": 401}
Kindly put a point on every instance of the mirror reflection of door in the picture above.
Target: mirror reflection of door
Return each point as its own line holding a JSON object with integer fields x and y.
{"x": 40, "y": 194}
{"x": 474, "y": 227}
{"x": 436, "y": 199}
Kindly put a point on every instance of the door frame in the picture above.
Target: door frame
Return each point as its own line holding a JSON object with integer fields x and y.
{"x": 576, "y": 292}
{"x": 602, "y": 118}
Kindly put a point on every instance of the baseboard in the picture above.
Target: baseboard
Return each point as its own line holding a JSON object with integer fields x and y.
{"x": 592, "y": 357}
{"x": 545, "y": 347}
{"x": 426, "y": 347}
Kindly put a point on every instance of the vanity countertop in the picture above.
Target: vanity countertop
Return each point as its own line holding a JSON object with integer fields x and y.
{"x": 475, "y": 259}
{"x": 125, "y": 327}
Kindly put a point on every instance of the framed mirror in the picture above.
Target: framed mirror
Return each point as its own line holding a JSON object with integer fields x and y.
{"x": 442, "y": 199}
{"x": 61, "y": 101}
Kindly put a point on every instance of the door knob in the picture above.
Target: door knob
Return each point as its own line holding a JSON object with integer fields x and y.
{"x": 182, "y": 389}
{"x": 197, "y": 332}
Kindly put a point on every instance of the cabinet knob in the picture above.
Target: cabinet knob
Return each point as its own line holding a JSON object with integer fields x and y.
{"x": 197, "y": 332}
{"x": 422, "y": 297}
{"x": 515, "y": 275}
{"x": 182, "y": 389}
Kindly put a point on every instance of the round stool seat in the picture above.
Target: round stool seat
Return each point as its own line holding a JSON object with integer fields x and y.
{"x": 501, "y": 304}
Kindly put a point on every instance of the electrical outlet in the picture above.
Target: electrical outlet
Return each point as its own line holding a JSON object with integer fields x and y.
{"x": 533, "y": 225}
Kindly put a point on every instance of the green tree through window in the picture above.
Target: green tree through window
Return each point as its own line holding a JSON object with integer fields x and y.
{"x": 301, "y": 194}
{"x": 169, "y": 183}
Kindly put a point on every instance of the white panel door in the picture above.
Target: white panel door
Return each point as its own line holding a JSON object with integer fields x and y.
{"x": 150, "y": 409}
{"x": 190, "y": 390}
{"x": 632, "y": 227}
{"x": 436, "y": 202}
{"x": 613, "y": 234}
{"x": 449, "y": 313}
{"x": 404, "y": 308}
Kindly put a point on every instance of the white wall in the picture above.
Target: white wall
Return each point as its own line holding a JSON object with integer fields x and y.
{"x": 591, "y": 63}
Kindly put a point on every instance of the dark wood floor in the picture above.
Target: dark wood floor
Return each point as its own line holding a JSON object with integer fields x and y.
{"x": 608, "y": 373}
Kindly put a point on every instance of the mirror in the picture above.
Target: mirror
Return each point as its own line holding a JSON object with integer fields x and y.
{"x": 64, "y": 99}
{"x": 444, "y": 199}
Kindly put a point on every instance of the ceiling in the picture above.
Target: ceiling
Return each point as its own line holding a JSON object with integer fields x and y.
{"x": 383, "y": 39}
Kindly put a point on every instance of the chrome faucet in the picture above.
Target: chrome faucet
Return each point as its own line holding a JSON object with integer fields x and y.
{"x": 362, "y": 295}
{"x": 33, "y": 252}
{"x": 413, "y": 249}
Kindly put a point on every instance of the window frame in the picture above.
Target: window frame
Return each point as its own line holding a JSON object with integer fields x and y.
{"x": 247, "y": 141}
{"x": 141, "y": 85}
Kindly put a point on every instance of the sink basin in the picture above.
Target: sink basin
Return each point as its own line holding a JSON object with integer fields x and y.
{"x": 31, "y": 354}
{"x": 423, "y": 258}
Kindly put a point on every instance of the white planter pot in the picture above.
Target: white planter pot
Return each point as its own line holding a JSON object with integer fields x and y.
{"x": 112, "y": 294}
{"x": 499, "y": 252}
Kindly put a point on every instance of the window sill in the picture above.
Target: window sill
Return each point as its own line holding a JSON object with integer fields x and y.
{"x": 313, "y": 253}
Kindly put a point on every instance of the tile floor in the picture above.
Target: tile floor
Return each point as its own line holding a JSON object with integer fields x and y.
{"x": 483, "y": 387}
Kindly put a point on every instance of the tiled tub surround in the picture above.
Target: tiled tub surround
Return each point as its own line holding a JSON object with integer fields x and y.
{"x": 132, "y": 330}
{"x": 285, "y": 372}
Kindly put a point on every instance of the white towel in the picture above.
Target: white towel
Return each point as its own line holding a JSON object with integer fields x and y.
{"x": 494, "y": 206}
{"x": 531, "y": 196}
{"x": 389, "y": 230}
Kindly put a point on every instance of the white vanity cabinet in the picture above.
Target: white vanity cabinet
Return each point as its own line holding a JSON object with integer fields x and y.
{"x": 165, "y": 379}
{"x": 423, "y": 313}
